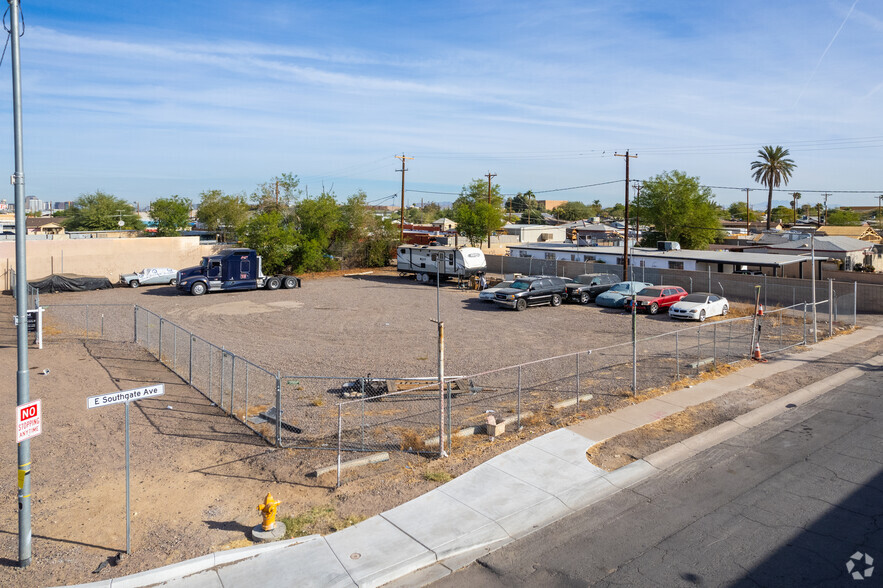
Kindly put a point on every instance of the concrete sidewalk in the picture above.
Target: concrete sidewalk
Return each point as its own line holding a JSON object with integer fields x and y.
{"x": 499, "y": 501}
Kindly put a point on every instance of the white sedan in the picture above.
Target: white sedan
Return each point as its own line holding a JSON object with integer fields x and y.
{"x": 488, "y": 293}
{"x": 699, "y": 306}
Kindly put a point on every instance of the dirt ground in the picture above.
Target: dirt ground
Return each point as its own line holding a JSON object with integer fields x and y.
{"x": 197, "y": 475}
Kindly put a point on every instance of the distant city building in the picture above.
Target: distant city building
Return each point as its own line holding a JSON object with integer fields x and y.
{"x": 62, "y": 205}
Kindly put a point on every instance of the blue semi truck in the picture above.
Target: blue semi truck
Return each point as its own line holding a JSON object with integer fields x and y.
{"x": 231, "y": 270}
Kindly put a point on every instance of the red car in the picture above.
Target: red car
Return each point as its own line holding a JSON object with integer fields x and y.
{"x": 655, "y": 297}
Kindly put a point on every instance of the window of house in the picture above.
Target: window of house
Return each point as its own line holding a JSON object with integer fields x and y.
{"x": 676, "y": 265}
{"x": 550, "y": 255}
{"x": 588, "y": 258}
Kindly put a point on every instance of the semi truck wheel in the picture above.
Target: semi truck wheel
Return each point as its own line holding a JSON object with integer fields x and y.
{"x": 198, "y": 289}
{"x": 273, "y": 283}
{"x": 289, "y": 283}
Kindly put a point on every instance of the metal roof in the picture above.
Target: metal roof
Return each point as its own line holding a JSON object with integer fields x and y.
{"x": 733, "y": 257}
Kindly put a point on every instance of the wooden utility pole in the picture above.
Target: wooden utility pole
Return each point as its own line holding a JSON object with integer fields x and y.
{"x": 489, "y": 176}
{"x": 625, "y": 248}
{"x": 747, "y": 214}
{"x": 402, "y": 215}
{"x": 825, "y": 196}
{"x": 637, "y": 188}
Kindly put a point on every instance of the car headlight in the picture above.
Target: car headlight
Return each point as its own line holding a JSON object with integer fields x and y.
{"x": 694, "y": 311}
{"x": 510, "y": 296}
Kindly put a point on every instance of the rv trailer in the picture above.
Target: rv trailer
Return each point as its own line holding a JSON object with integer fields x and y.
{"x": 448, "y": 262}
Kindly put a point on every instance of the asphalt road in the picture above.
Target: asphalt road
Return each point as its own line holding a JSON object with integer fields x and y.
{"x": 784, "y": 504}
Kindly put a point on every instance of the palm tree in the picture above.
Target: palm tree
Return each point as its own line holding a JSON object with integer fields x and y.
{"x": 773, "y": 168}
{"x": 796, "y": 196}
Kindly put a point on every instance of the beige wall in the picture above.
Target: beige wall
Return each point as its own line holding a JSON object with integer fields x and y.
{"x": 103, "y": 257}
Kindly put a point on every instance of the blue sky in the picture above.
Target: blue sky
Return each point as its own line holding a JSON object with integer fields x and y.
{"x": 148, "y": 99}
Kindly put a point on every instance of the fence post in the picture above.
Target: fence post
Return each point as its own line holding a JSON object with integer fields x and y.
{"x": 279, "y": 413}
{"x": 362, "y": 403}
{"x": 450, "y": 419}
{"x": 160, "y": 339}
{"x": 246, "y": 390}
{"x": 804, "y": 324}
{"x": 830, "y": 307}
{"x": 714, "y": 347}
{"x": 135, "y": 322}
{"x": 175, "y": 349}
{"x": 211, "y": 376}
{"x": 519, "y": 399}
{"x": 190, "y": 360}
{"x": 577, "y": 381}
{"x": 232, "y": 382}
{"x": 677, "y": 357}
{"x": 339, "y": 436}
{"x": 223, "y": 355}
{"x": 709, "y": 278}
{"x": 854, "y": 303}
{"x": 765, "y": 305}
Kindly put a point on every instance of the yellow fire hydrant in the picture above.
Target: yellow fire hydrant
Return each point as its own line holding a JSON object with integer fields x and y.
{"x": 268, "y": 512}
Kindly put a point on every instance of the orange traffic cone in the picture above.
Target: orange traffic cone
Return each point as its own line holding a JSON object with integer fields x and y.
{"x": 756, "y": 356}
{"x": 760, "y": 310}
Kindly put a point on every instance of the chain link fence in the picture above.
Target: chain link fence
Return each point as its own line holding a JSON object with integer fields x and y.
{"x": 362, "y": 413}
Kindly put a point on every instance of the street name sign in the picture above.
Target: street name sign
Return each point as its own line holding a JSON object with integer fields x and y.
{"x": 28, "y": 421}
{"x": 125, "y": 396}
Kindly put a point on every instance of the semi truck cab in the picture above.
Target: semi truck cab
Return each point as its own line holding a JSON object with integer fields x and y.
{"x": 231, "y": 270}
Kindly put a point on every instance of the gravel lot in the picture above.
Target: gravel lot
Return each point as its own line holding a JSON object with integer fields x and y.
{"x": 378, "y": 323}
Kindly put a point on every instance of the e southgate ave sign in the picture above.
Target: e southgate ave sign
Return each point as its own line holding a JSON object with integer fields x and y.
{"x": 125, "y": 396}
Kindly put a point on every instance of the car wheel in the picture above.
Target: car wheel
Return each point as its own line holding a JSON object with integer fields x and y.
{"x": 584, "y": 298}
{"x": 273, "y": 283}
{"x": 725, "y": 310}
{"x": 134, "y": 283}
{"x": 701, "y": 316}
{"x": 520, "y": 304}
{"x": 198, "y": 289}
{"x": 172, "y": 282}
{"x": 654, "y": 308}
{"x": 289, "y": 283}
{"x": 556, "y": 300}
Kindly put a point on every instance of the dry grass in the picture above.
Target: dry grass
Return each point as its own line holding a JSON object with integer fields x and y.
{"x": 252, "y": 411}
{"x": 410, "y": 440}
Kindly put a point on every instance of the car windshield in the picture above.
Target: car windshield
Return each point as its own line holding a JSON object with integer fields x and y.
{"x": 520, "y": 285}
{"x": 622, "y": 287}
{"x": 651, "y": 292}
{"x": 584, "y": 280}
{"x": 694, "y": 298}
{"x": 504, "y": 285}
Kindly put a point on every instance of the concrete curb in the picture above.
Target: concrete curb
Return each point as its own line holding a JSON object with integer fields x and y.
{"x": 196, "y": 565}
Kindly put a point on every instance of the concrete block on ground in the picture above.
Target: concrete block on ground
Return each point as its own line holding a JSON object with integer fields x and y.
{"x": 543, "y": 470}
{"x": 628, "y": 476}
{"x": 672, "y": 454}
{"x": 375, "y": 552}
{"x": 713, "y": 436}
{"x": 566, "y": 444}
{"x": 583, "y": 495}
{"x": 492, "y": 492}
{"x": 535, "y": 517}
{"x": 310, "y": 564}
{"x": 572, "y": 401}
{"x": 354, "y": 463}
{"x": 443, "y": 524}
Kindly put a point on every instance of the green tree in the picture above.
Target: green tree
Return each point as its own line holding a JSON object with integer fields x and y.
{"x": 573, "y": 211}
{"x": 843, "y": 217}
{"x": 780, "y": 213}
{"x": 737, "y": 211}
{"x": 772, "y": 169}
{"x": 272, "y": 237}
{"x": 477, "y": 218}
{"x": 225, "y": 213}
{"x": 616, "y": 211}
{"x": 170, "y": 214}
{"x": 101, "y": 212}
{"x": 680, "y": 209}
{"x": 279, "y": 194}
{"x": 317, "y": 220}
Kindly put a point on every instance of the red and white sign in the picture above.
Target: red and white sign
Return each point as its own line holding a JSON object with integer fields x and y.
{"x": 28, "y": 421}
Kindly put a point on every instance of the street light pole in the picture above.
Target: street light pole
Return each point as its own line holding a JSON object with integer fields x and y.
{"x": 21, "y": 295}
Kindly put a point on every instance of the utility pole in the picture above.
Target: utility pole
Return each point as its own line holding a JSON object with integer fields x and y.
{"x": 489, "y": 176}
{"x": 625, "y": 248}
{"x": 402, "y": 218}
{"x": 21, "y": 296}
{"x": 825, "y": 196}
{"x": 819, "y": 212}
{"x": 637, "y": 186}
{"x": 747, "y": 214}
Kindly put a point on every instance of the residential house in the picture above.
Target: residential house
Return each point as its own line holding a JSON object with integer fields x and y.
{"x": 860, "y": 232}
